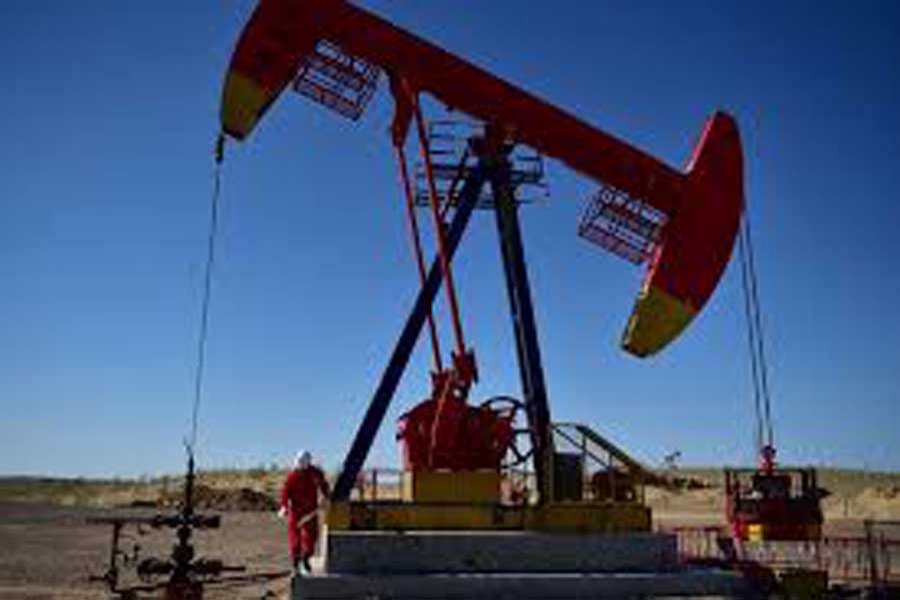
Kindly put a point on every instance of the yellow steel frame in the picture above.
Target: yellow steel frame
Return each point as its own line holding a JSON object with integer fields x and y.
{"x": 474, "y": 487}
{"x": 609, "y": 517}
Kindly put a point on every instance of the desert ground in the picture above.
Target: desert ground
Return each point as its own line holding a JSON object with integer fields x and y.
{"x": 49, "y": 551}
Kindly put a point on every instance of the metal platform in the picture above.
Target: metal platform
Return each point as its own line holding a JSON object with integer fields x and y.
{"x": 522, "y": 586}
{"x": 469, "y": 565}
{"x": 622, "y": 225}
{"x": 564, "y": 517}
{"x": 391, "y": 553}
{"x": 337, "y": 80}
{"x": 449, "y": 149}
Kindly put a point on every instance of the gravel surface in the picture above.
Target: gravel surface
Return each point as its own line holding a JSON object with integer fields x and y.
{"x": 49, "y": 552}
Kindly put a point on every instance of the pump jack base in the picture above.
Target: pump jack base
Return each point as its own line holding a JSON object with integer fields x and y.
{"x": 526, "y": 565}
{"x": 469, "y": 551}
{"x": 610, "y": 517}
{"x": 521, "y": 586}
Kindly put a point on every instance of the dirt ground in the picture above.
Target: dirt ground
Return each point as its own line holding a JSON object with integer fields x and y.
{"x": 49, "y": 552}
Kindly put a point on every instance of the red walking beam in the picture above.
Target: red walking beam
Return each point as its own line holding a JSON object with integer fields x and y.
{"x": 702, "y": 204}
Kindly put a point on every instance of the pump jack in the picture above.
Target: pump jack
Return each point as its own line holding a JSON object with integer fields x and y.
{"x": 683, "y": 223}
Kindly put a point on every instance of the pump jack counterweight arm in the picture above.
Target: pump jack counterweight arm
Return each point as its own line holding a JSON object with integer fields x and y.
{"x": 417, "y": 250}
{"x": 440, "y": 233}
{"x": 390, "y": 379}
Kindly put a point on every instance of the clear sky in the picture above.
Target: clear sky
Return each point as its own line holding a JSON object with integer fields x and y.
{"x": 109, "y": 110}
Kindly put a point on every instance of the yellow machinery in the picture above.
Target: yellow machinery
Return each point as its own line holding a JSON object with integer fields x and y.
{"x": 596, "y": 488}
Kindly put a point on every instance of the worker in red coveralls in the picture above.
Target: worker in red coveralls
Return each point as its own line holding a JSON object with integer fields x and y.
{"x": 300, "y": 504}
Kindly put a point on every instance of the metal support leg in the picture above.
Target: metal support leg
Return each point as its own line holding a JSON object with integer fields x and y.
{"x": 390, "y": 379}
{"x": 528, "y": 352}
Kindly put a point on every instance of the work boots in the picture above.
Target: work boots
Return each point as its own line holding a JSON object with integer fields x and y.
{"x": 302, "y": 568}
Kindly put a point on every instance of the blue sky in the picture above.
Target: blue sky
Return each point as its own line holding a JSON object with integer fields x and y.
{"x": 109, "y": 111}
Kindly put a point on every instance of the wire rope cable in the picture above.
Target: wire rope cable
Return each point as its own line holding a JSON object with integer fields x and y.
{"x": 200, "y": 365}
{"x": 755, "y": 339}
{"x": 751, "y": 340}
{"x": 764, "y": 371}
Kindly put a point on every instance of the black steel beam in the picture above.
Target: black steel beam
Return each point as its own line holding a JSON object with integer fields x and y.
{"x": 528, "y": 352}
{"x": 390, "y": 378}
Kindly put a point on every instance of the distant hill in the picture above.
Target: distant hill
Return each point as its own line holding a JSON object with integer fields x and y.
{"x": 854, "y": 494}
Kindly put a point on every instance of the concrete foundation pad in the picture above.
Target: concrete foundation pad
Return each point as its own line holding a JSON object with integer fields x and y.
{"x": 367, "y": 552}
{"x": 518, "y": 586}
